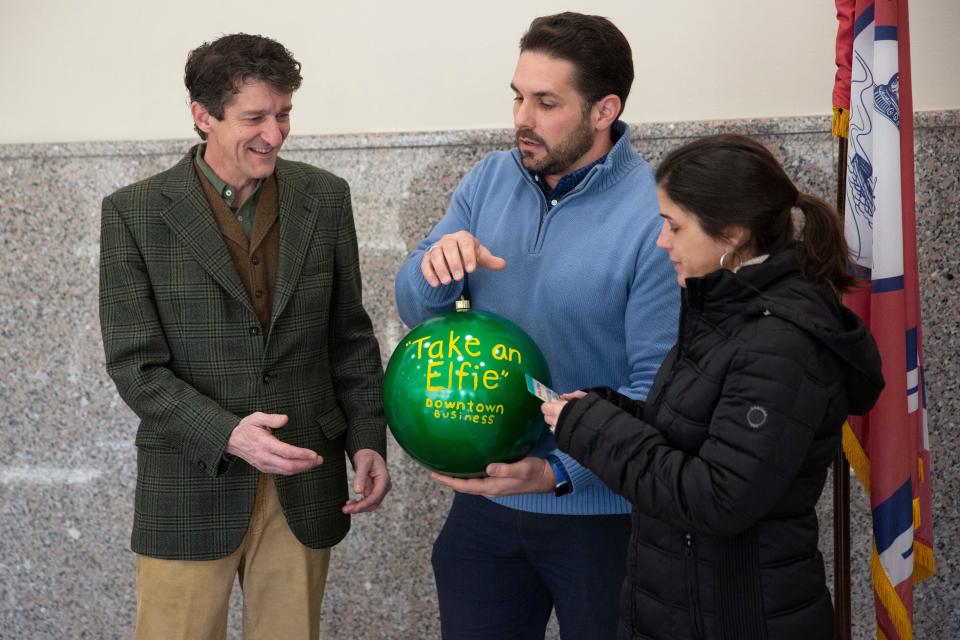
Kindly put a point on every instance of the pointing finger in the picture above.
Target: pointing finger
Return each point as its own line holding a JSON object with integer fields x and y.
{"x": 487, "y": 260}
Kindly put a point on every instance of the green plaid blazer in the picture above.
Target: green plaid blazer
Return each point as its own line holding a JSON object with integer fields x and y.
{"x": 184, "y": 348}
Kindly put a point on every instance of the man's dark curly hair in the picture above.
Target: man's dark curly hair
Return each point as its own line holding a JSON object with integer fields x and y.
{"x": 216, "y": 70}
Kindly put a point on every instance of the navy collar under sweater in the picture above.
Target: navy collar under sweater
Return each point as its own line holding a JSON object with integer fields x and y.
{"x": 568, "y": 183}
{"x": 777, "y": 288}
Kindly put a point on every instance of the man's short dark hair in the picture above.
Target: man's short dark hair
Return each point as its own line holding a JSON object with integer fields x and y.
{"x": 216, "y": 70}
{"x": 598, "y": 51}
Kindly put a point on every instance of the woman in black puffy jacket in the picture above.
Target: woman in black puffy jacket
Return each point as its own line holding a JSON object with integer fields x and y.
{"x": 726, "y": 459}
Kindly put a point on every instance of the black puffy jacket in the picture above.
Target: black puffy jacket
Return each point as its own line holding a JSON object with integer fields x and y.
{"x": 725, "y": 462}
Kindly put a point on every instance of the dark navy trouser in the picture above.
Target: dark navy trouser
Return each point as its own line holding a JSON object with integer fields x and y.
{"x": 500, "y": 571}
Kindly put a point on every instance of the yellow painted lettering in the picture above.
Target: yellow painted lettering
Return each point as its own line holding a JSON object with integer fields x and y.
{"x": 419, "y": 342}
{"x": 463, "y": 373}
{"x": 452, "y": 345}
{"x": 471, "y": 342}
{"x": 431, "y": 374}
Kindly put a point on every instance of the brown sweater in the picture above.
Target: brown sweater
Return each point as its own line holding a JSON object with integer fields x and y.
{"x": 256, "y": 259}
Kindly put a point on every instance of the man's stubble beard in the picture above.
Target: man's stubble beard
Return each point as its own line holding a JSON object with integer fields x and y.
{"x": 559, "y": 159}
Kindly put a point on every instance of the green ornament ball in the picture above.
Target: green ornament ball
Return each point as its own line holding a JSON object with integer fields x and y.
{"x": 455, "y": 394}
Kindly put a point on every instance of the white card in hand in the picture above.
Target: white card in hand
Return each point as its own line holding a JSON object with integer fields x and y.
{"x": 540, "y": 390}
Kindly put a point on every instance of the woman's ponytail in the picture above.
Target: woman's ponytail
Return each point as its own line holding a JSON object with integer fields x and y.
{"x": 821, "y": 248}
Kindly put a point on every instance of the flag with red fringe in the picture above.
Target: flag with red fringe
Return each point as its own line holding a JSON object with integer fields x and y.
{"x": 889, "y": 447}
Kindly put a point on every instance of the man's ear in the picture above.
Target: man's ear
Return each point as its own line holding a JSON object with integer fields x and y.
{"x": 201, "y": 117}
{"x": 605, "y": 112}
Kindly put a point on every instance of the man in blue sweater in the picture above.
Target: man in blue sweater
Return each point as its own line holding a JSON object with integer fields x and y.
{"x": 557, "y": 235}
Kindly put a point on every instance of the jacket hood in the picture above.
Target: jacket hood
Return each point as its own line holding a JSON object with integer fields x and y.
{"x": 776, "y": 287}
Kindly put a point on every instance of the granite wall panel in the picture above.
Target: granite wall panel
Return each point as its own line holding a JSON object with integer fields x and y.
{"x": 67, "y": 462}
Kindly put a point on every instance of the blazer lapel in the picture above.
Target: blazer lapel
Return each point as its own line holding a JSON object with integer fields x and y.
{"x": 298, "y": 216}
{"x": 190, "y": 218}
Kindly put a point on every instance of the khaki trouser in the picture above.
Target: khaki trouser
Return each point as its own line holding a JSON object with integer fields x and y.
{"x": 282, "y": 583}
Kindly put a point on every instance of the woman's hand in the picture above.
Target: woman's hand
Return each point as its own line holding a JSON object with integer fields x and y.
{"x": 551, "y": 410}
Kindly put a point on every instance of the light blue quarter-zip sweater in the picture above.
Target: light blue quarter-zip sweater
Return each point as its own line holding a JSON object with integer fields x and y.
{"x": 585, "y": 281}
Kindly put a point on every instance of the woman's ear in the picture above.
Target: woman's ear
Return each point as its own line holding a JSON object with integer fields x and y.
{"x": 740, "y": 240}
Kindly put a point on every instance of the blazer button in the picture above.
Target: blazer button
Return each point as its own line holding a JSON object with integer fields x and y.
{"x": 202, "y": 465}
{"x": 255, "y": 260}
{"x": 266, "y": 378}
{"x": 254, "y": 331}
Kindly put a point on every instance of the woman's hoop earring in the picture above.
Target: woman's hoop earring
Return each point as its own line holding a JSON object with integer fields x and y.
{"x": 736, "y": 255}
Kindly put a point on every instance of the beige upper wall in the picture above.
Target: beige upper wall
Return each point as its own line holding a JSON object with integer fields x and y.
{"x": 112, "y": 69}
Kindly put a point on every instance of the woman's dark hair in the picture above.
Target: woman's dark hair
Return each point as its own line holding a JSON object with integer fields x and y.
{"x": 730, "y": 180}
{"x": 215, "y": 70}
{"x": 598, "y": 51}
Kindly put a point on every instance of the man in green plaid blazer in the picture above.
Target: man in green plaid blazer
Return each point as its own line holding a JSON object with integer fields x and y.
{"x": 230, "y": 304}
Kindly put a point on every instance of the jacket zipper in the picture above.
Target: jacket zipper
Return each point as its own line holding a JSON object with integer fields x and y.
{"x": 682, "y": 321}
{"x": 543, "y": 215}
{"x": 693, "y": 588}
{"x": 540, "y": 197}
{"x": 544, "y": 211}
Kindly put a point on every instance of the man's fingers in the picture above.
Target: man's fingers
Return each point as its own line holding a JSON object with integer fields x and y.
{"x": 290, "y": 452}
{"x": 373, "y": 493}
{"x": 438, "y": 263}
{"x": 429, "y": 273}
{"x": 497, "y": 471}
{"x": 361, "y": 505}
{"x": 284, "y": 466}
{"x": 427, "y": 267}
{"x": 455, "y": 254}
{"x": 254, "y": 441}
{"x": 468, "y": 247}
{"x": 269, "y": 420}
{"x": 285, "y": 459}
{"x": 354, "y": 507}
{"x": 487, "y": 260}
{"x": 462, "y": 485}
{"x": 361, "y": 474}
{"x": 371, "y": 481}
{"x": 506, "y": 471}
